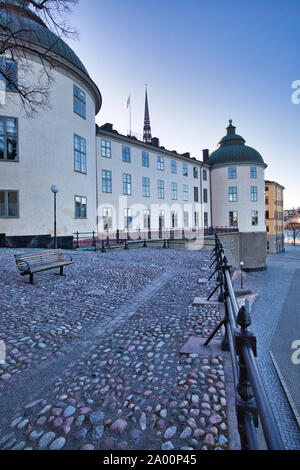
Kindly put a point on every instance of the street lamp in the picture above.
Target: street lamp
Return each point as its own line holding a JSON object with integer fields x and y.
{"x": 242, "y": 264}
{"x": 55, "y": 190}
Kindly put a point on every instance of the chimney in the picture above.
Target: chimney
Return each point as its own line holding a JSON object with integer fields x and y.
{"x": 187, "y": 155}
{"x": 107, "y": 127}
{"x": 155, "y": 142}
{"x": 206, "y": 156}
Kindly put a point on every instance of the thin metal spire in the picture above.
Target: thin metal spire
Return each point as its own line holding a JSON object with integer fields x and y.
{"x": 147, "y": 127}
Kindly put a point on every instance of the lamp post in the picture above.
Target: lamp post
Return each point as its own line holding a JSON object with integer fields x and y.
{"x": 55, "y": 190}
{"x": 242, "y": 264}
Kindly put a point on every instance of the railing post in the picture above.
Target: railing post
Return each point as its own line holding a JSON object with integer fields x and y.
{"x": 225, "y": 340}
{"x": 77, "y": 240}
{"x": 118, "y": 236}
{"x": 103, "y": 247}
{"x": 145, "y": 244}
{"x": 245, "y": 402}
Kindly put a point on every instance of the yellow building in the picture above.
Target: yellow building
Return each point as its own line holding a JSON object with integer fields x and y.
{"x": 274, "y": 217}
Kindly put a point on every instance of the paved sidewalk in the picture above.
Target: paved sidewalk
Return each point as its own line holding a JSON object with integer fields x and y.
{"x": 93, "y": 360}
{"x": 269, "y": 309}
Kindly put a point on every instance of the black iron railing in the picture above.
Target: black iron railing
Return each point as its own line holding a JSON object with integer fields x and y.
{"x": 252, "y": 403}
{"x": 114, "y": 237}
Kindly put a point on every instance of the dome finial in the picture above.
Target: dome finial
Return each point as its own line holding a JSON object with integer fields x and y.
{"x": 230, "y": 128}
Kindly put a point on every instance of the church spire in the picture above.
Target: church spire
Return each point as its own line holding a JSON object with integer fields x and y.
{"x": 147, "y": 128}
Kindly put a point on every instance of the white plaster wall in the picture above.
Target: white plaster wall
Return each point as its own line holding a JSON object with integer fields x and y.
{"x": 46, "y": 157}
{"x": 137, "y": 171}
{"x": 244, "y": 206}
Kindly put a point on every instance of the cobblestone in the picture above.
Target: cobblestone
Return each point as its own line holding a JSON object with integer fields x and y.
{"x": 127, "y": 386}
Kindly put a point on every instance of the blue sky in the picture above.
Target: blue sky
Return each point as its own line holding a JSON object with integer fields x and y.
{"x": 205, "y": 62}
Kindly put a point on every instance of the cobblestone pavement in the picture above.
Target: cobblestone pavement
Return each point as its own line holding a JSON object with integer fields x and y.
{"x": 93, "y": 359}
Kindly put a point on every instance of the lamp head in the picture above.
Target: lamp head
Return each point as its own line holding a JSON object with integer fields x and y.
{"x": 55, "y": 189}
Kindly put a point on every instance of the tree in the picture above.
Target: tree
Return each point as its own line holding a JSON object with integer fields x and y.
{"x": 17, "y": 40}
{"x": 293, "y": 229}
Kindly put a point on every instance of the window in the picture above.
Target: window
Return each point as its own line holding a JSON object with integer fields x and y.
{"x": 185, "y": 169}
{"x": 233, "y": 219}
{"x": 80, "y": 154}
{"x": 253, "y": 193}
{"x": 196, "y": 219}
{"x": 204, "y": 175}
{"x": 147, "y": 219}
{"x": 232, "y": 194}
{"x": 161, "y": 189}
{"x": 9, "y": 204}
{"x": 107, "y": 218}
{"x": 126, "y": 154}
{"x": 186, "y": 219}
{"x": 232, "y": 173}
{"x": 161, "y": 220}
{"x": 106, "y": 181}
{"x": 145, "y": 159}
{"x": 195, "y": 172}
{"x": 174, "y": 191}
{"x": 267, "y": 201}
{"x": 185, "y": 192}
{"x": 267, "y": 214}
{"x": 233, "y": 244}
{"x": 224, "y": 245}
{"x": 9, "y": 67}
{"x": 127, "y": 189}
{"x": 173, "y": 167}
{"x": 127, "y": 218}
{"x": 205, "y": 197}
{"x": 79, "y": 102}
{"x": 146, "y": 187}
{"x": 80, "y": 207}
{"x": 8, "y": 139}
{"x": 254, "y": 217}
{"x": 174, "y": 219}
{"x": 196, "y": 194}
{"x": 106, "y": 148}
{"x": 160, "y": 163}
{"x": 253, "y": 172}
{"x": 205, "y": 219}
{"x": 268, "y": 229}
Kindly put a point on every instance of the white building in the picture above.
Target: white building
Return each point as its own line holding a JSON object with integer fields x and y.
{"x": 110, "y": 181}
{"x": 143, "y": 186}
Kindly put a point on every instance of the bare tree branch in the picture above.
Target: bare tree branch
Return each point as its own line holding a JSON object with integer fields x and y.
{"x": 17, "y": 40}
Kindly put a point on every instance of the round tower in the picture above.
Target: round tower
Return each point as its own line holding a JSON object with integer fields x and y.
{"x": 238, "y": 195}
{"x": 57, "y": 146}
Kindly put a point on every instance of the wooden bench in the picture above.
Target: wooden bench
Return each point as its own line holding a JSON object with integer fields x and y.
{"x": 38, "y": 262}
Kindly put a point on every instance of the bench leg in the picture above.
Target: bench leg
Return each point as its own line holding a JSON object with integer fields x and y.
{"x": 31, "y": 279}
{"x": 61, "y": 271}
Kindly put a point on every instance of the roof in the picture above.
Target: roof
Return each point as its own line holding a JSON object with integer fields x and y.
{"x": 36, "y": 32}
{"x": 152, "y": 146}
{"x": 232, "y": 149}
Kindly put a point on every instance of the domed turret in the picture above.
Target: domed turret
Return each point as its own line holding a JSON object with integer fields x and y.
{"x": 232, "y": 149}
{"x": 29, "y": 27}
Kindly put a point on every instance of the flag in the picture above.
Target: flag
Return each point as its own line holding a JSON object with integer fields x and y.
{"x": 127, "y": 104}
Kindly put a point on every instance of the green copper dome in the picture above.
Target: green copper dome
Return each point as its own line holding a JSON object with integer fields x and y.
{"x": 232, "y": 149}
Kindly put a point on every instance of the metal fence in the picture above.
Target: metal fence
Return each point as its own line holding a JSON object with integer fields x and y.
{"x": 252, "y": 403}
{"x": 115, "y": 237}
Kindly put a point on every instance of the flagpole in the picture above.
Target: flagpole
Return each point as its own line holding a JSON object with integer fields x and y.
{"x": 130, "y": 114}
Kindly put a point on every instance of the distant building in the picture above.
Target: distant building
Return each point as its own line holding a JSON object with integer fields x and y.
{"x": 274, "y": 217}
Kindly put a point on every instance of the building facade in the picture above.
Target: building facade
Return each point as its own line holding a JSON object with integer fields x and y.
{"x": 143, "y": 186}
{"x": 274, "y": 217}
{"x": 108, "y": 181}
